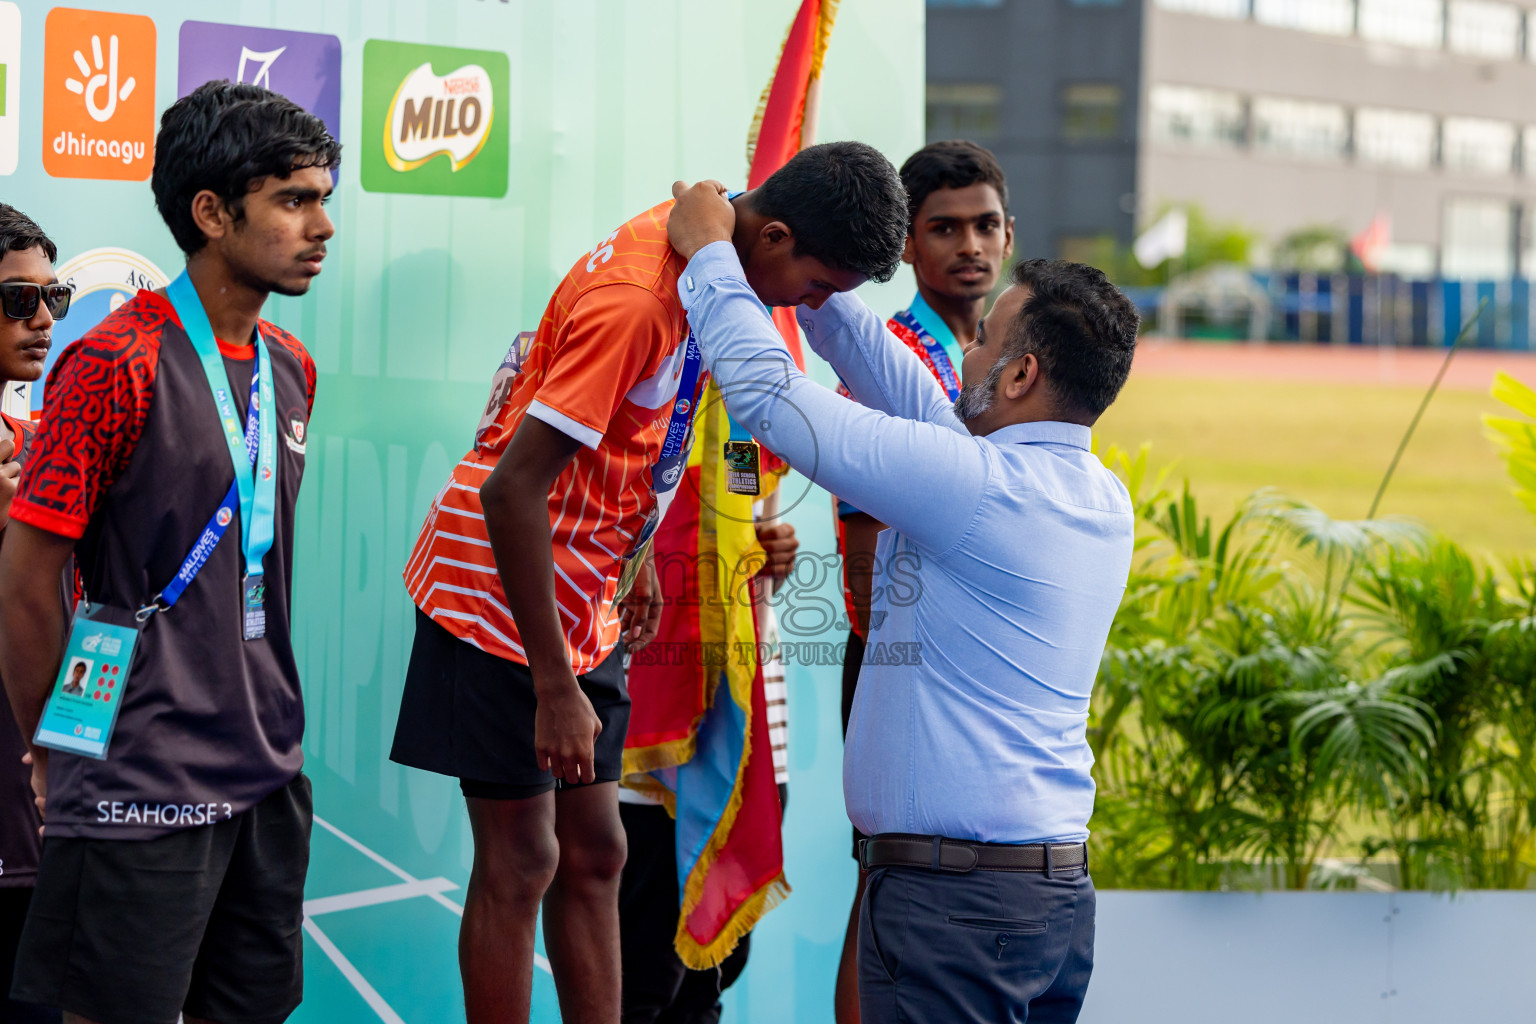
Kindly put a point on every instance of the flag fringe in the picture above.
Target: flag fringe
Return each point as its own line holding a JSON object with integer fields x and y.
{"x": 824, "y": 21}
{"x": 639, "y": 760}
{"x": 693, "y": 889}
{"x": 706, "y": 956}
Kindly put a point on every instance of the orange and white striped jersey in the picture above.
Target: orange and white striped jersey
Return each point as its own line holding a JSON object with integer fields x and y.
{"x": 603, "y": 367}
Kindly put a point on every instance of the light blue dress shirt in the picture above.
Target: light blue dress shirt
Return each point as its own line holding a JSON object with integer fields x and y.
{"x": 999, "y": 576}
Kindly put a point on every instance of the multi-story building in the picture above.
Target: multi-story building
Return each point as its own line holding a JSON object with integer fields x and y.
{"x": 1276, "y": 114}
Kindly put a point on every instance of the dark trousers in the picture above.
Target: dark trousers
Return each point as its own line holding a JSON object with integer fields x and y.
{"x": 658, "y": 987}
{"x": 997, "y": 946}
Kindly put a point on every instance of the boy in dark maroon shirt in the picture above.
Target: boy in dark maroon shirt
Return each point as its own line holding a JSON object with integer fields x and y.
{"x": 173, "y": 869}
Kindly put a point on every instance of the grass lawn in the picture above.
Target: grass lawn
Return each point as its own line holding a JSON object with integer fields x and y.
{"x": 1329, "y": 444}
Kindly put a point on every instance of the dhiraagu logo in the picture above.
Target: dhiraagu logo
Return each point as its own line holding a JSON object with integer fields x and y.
{"x": 10, "y": 85}
{"x": 434, "y": 120}
{"x": 98, "y": 95}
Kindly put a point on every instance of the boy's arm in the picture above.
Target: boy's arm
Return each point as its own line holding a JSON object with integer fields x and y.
{"x": 74, "y": 459}
{"x": 31, "y": 628}
{"x": 609, "y": 338}
{"x": 515, "y": 500}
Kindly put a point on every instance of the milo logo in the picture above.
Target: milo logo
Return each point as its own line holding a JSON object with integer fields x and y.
{"x": 432, "y": 115}
{"x": 434, "y": 120}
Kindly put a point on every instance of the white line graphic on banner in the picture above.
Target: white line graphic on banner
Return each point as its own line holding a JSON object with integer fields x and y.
{"x": 411, "y": 888}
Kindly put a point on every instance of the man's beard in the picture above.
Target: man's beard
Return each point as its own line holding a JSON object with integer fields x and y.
{"x": 977, "y": 399}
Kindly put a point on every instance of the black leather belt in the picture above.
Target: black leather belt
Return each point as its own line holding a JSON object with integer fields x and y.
{"x": 935, "y": 853}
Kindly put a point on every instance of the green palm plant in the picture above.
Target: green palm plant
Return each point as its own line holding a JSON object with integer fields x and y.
{"x": 1515, "y": 437}
{"x": 1225, "y": 720}
{"x": 1431, "y": 610}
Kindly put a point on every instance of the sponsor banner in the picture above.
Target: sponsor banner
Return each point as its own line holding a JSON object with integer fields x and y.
{"x": 10, "y": 86}
{"x": 434, "y": 120}
{"x": 303, "y": 66}
{"x": 98, "y": 95}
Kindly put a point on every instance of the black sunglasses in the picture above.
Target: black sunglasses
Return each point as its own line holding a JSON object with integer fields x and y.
{"x": 20, "y": 299}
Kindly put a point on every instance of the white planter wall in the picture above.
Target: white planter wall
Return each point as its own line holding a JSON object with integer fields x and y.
{"x": 1318, "y": 958}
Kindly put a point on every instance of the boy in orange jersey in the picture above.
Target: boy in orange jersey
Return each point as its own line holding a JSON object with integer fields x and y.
{"x": 515, "y": 684}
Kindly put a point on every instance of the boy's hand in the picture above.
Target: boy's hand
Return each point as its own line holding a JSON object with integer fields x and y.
{"x": 565, "y": 730}
{"x": 37, "y": 759}
{"x": 702, "y": 215}
{"x": 640, "y": 614}
{"x": 779, "y": 545}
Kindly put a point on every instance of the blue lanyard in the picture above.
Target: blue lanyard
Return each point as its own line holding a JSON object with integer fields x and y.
{"x": 253, "y": 451}
{"x": 936, "y": 353}
{"x": 675, "y": 448}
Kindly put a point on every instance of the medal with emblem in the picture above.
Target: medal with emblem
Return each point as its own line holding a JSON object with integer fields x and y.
{"x": 743, "y": 462}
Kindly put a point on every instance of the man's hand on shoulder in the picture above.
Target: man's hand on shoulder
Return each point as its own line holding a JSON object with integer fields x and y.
{"x": 701, "y": 215}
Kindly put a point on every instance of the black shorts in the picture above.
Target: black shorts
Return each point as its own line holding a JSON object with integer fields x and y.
{"x": 207, "y": 921}
{"x": 470, "y": 714}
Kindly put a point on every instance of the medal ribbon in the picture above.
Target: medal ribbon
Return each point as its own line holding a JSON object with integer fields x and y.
{"x": 668, "y": 470}
{"x": 937, "y": 358}
{"x": 253, "y": 451}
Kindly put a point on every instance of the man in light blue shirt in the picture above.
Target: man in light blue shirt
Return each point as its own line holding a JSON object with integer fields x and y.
{"x": 967, "y": 759}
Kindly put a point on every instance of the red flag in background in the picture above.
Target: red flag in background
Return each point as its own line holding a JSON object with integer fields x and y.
{"x": 1371, "y": 244}
{"x": 786, "y": 117}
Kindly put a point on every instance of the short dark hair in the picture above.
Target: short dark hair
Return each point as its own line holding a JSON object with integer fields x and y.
{"x": 953, "y": 163}
{"x": 18, "y": 233}
{"x": 1080, "y": 327}
{"x": 227, "y": 138}
{"x": 844, "y": 203}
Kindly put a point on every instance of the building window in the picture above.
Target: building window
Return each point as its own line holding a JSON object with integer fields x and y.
{"x": 1090, "y": 112}
{"x": 1335, "y": 17}
{"x": 959, "y": 110}
{"x": 1403, "y": 22}
{"x": 1200, "y": 117}
{"x": 1394, "y": 138}
{"x": 1528, "y": 151}
{"x": 1478, "y": 238}
{"x": 1483, "y": 29}
{"x": 1478, "y": 145}
{"x": 1317, "y": 131}
{"x": 1213, "y": 8}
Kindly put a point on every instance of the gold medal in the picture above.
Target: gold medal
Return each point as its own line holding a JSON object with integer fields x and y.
{"x": 742, "y": 462}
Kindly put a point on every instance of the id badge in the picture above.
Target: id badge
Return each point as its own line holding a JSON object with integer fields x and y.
{"x": 742, "y": 461}
{"x": 82, "y": 707}
{"x": 253, "y": 600}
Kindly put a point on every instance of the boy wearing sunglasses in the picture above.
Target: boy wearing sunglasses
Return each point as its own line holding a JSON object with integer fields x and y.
{"x": 168, "y": 463}
{"x": 31, "y": 299}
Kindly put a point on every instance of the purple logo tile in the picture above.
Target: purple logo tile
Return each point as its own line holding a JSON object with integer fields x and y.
{"x": 304, "y": 66}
